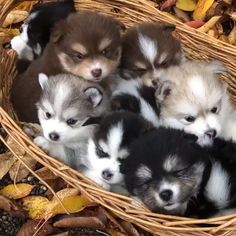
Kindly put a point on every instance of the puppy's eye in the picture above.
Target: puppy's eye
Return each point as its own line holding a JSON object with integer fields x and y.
{"x": 105, "y": 51}
{"x": 71, "y": 121}
{"x": 164, "y": 63}
{"x": 48, "y": 115}
{"x": 101, "y": 153}
{"x": 214, "y": 110}
{"x": 141, "y": 70}
{"x": 79, "y": 55}
{"x": 190, "y": 119}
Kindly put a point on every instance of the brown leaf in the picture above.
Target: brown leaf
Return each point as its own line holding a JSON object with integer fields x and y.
{"x": 17, "y": 191}
{"x": 6, "y": 160}
{"x": 61, "y": 234}
{"x": 10, "y": 206}
{"x": 76, "y": 222}
{"x": 182, "y": 15}
{"x": 167, "y": 4}
{"x": 129, "y": 228}
{"x": 31, "y": 227}
{"x": 114, "y": 232}
{"x": 46, "y": 174}
{"x": 18, "y": 171}
{"x": 19, "y": 150}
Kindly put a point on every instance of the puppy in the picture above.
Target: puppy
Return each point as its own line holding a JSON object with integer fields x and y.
{"x": 148, "y": 50}
{"x": 164, "y": 169}
{"x": 135, "y": 96}
{"x": 66, "y": 109}
{"x": 35, "y": 32}
{"x": 109, "y": 146}
{"x": 192, "y": 98}
{"x": 92, "y": 54}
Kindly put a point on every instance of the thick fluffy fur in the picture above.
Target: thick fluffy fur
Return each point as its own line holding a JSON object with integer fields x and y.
{"x": 84, "y": 42}
{"x": 35, "y": 32}
{"x": 66, "y": 104}
{"x": 172, "y": 174}
{"x": 110, "y": 146}
{"x": 193, "y": 99}
{"x": 164, "y": 170}
{"x": 132, "y": 95}
{"x": 148, "y": 49}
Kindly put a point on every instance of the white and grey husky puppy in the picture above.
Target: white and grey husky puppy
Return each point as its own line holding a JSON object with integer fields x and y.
{"x": 109, "y": 146}
{"x": 192, "y": 98}
{"x": 66, "y": 109}
{"x": 134, "y": 96}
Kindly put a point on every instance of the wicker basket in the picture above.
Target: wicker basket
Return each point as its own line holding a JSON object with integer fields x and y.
{"x": 197, "y": 46}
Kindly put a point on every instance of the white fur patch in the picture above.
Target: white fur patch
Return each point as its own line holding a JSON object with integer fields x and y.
{"x": 148, "y": 47}
{"x": 104, "y": 43}
{"x": 197, "y": 87}
{"x": 94, "y": 95}
{"x": 170, "y": 163}
{"x": 144, "y": 172}
{"x": 218, "y": 187}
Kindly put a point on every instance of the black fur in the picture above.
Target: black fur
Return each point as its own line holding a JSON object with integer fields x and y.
{"x": 133, "y": 126}
{"x": 48, "y": 15}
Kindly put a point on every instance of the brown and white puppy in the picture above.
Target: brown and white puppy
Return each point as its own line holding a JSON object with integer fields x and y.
{"x": 86, "y": 44}
{"x": 192, "y": 98}
{"x": 148, "y": 50}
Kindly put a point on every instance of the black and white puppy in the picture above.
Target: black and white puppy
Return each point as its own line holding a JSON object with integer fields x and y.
{"x": 172, "y": 174}
{"x": 110, "y": 146}
{"x": 164, "y": 170}
{"x": 134, "y": 96}
{"x": 35, "y": 32}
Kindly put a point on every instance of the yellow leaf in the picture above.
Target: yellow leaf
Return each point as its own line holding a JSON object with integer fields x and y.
{"x": 72, "y": 204}
{"x": 201, "y": 9}
{"x": 35, "y": 206}
{"x": 15, "y": 32}
{"x": 66, "y": 192}
{"x": 16, "y": 191}
{"x": 186, "y": 5}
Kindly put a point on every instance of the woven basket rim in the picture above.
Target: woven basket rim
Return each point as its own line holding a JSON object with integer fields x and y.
{"x": 123, "y": 206}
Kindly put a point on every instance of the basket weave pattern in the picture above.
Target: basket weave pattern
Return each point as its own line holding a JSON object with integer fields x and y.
{"x": 196, "y": 46}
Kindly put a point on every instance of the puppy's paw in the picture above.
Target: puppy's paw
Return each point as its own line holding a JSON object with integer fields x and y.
{"x": 42, "y": 142}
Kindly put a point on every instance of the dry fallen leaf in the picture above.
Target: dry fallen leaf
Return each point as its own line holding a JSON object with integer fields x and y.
{"x": 45, "y": 174}
{"x": 31, "y": 226}
{"x": 6, "y": 160}
{"x": 35, "y": 206}
{"x": 195, "y": 24}
{"x": 18, "y": 171}
{"x": 15, "y": 16}
{"x": 17, "y": 191}
{"x": 72, "y": 204}
{"x": 186, "y": 5}
{"x": 209, "y": 24}
{"x": 113, "y": 232}
{"x": 80, "y": 221}
{"x": 129, "y": 228}
{"x": 10, "y": 206}
{"x": 167, "y": 3}
{"x": 41, "y": 208}
{"x": 201, "y": 9}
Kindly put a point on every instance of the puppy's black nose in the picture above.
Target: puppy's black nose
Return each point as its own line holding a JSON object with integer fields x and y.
{"x": 96, "y": 72}
{"x": 166, "y": 195}
{"x": 54, "y": 136}
{"x": 211, "y": 133}
{"x": 107, "y": 174}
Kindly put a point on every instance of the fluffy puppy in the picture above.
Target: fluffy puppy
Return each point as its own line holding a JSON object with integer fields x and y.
{"x": 134, "y": 96}
{"x": 35, "y": 32}
{"x": 65, "y": 110}
{"x": 92, "y": 54}
{"x": 164, "y": 170}
{"x": 109, "y": 146}
{"x": 148, "y": 50}
{"x": 192, "y": 98}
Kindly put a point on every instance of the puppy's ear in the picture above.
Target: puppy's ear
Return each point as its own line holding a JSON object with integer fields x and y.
{"x": 58, "y": 31}
{"x": 163, "y": 90}
{"x": 43, "y": 80}
{"x": 168, "y": 28}
{"x": 216, "y": 67}
{"x": 94, "y": 95}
